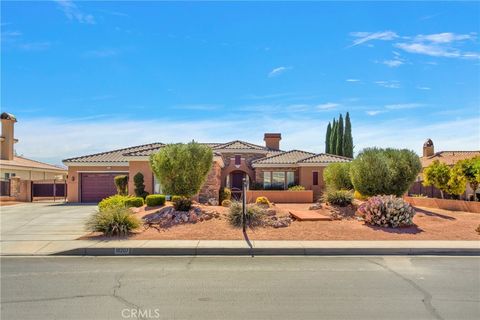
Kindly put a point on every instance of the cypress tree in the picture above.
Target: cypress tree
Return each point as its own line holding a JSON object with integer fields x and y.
{"x": 333, "y": 137}
{"x": 339, "y": 147}
{"x": 348, "y": 139}
{"x": 327, "y": 138}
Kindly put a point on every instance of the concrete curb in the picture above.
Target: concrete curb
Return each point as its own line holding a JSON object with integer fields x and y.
{"x": 236, "y": 247}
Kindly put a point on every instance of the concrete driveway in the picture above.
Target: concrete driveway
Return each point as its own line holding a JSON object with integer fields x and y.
{"x": 44, "y": 221}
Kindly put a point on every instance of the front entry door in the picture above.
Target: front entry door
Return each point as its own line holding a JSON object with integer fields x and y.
{"x": 237, "y": 180}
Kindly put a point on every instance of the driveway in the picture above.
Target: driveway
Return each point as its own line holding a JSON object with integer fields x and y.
{"x": 44, "y": 221}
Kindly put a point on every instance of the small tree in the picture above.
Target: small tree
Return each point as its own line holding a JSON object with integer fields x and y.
{"x": 337, "y": 176}
{"x": 327, "y": 138}
{"x": 121, "y": 182}
{"x": 347, "y": 138}
{"x": 437, "y": 174}
{"x": 457, "y": 184}
{"x": 384, "y": 171}
{"x": 471, "y": 170}
{"x": 339, "y": 146}
{"x": 182, "y": 168}
{"x": 139, "y": 185}
{"x": 333, "y": 138}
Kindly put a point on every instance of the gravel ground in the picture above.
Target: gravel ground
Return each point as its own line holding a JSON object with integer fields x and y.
{"x": 431, "y": 224}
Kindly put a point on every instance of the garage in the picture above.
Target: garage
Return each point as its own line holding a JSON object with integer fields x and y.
{"x": 97, "y": 186}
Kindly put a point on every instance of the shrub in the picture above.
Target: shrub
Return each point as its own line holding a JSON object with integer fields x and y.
{"x": 182, "y": 168}
{"x": 139, "y": 185}
{"x": 175, "y": 198}
{"x": 444, "y": 178}
{"x": 226, "y": 203}
{"x": 384, "y": 171}
{"x": 357, "y": 195}
{"x": 113, "y": 221}
{"x": 134, "y": 202}
{"x": 255, "y": 215}
{"x": 116, "y": 201}
{"x": 154, "y": 200}
{"x": 296, "y": 188}
{"x": 225, "y": 194}
{"x": 338, "y": 197}
{"x": 121, "y": 182}
{"x": 262, "y": 201}
{"x": 387, "y": 211}
{"x": 337, "y": 176}
{"x": 182, "y": 203}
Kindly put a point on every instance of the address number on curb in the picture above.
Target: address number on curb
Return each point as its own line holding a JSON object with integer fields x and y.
{"x": 122, "y": 251}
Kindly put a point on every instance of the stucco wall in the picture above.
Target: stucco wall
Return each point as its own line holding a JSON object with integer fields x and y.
{"x": 73, "y": 182}
{"x": 144, "y": 168}
{"x": 306, "y": 180}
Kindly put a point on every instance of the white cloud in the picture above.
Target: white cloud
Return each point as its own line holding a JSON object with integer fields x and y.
{"x": 445, "y": 37}
{"x": 108, "y": 133}
{"x": 423, "y": 88}
{"x": 403, "y": 106}
{"x": 352, "y": 80}
{"x": 278, "y": 71}
{"x": 393, "y": 63}
{"x": 374, "y": 112}
{"x": 34, "y": 46}
{"x": 72, "y": 12}
{"x": 363, "y": 37}
{"x": 328, "y": 106}
{"x": 392, "y": 84}
{"x": 429, "y": 49}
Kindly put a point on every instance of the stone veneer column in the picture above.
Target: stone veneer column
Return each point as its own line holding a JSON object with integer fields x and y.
{"x": 211, "y": 187}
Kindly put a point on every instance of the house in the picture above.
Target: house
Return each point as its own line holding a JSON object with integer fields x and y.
{"x": 21, "y": 168}
{"x": 450, "y": 158}
{"x": 91, "y": 177}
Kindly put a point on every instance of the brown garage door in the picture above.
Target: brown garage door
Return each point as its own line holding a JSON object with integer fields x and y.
{"x": 97, "y": 186}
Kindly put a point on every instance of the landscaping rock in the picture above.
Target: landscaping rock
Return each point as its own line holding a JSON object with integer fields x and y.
{"x": 271, "y": 212}
{"x": 316, "y": 206}
{"x": 193, "y": 218}
{"x": 213, "y": 202}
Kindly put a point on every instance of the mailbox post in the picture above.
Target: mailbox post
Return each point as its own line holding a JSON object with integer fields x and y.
{"x": 244, "y": 205}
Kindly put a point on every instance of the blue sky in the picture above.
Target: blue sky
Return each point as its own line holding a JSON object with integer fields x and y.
{"x": 85, "y": 77}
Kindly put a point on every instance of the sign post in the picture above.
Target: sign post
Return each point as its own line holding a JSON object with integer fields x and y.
{"x": 244, "y": 205}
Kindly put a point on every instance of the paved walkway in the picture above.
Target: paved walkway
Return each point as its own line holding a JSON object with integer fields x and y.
{"x": 43, "y": 221}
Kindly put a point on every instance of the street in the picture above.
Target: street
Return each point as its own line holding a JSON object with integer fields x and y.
{"x": 367, "y": 287}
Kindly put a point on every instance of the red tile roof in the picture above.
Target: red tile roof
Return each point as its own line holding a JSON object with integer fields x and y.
{"x": 449, "y": 157}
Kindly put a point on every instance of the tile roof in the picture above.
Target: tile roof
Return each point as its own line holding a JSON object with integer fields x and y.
{"x": 237, "y": 144}
{"x": 114, "y": 155}
{"x": 325, "y": 158}
{"x": 28, "y": 163}
{"x": 449, "y": 157}
{"x": 289, "y": 157}
{"x": 151, "y": 150}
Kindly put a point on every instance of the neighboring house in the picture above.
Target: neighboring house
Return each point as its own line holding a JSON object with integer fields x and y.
{"x": 448, "y": 157}
{"x": 91, "y": 177}
{"x": 12, "y": 166}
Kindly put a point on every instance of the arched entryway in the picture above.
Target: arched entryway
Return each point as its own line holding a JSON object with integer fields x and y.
{"x": 235, "y": 183}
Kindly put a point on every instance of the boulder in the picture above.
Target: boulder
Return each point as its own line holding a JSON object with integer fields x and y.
{"x": 315, "y": 206}
{"x": 271, "y": 212}
{"x": 213, "y": 202}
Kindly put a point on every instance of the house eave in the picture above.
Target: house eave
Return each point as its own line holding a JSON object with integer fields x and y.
{"x": 96, "y": 164}
{"x": 274, "y": 165}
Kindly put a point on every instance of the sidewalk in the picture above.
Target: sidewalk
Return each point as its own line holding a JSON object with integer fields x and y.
{"x": 235, "y": 247}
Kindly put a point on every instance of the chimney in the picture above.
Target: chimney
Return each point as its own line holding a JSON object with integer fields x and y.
{"x": 7, "y": 139}
{"x": 272, "y": 140}
{"x": 428, "y": 150}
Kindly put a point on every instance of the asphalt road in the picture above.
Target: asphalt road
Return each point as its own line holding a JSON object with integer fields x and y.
{"x": 240, "y": 288}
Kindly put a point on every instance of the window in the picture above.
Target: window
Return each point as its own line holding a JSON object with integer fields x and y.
{"x": 238, "y": 160}
{"x": 267, "y": 179}
{"x": 278, "y": 180}
{"x": 290, "y": 178}
{"x": 315, "y": 178}
{"x": 9, "y": 175}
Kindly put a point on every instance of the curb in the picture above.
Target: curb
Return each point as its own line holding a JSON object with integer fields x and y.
{"x": 236, "y": 248}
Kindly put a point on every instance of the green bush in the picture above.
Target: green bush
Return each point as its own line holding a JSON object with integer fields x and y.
{"x": 134, "y": 202}
{"x": 116, "y": 201}
{"x": 175, "y": 198}
{"x": 255, "y": 215}
{"x": 182, "y": 168}
{"x": 139, "y": 185}
{"x": 338, "y": 197}
{"x": 387, "y": 211}
{"x": 226, "y": 203}
{"x": 113, "y": 221}
{"x": 121, "y": 182}
{"x": 225, "y": 194}
{"x": 182, "y": 203}
{"x": 384, "y": 171}
{"x": 296, "y": 188}
{"x": 155, "y": 200}
{"x": 337, "y": 176}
